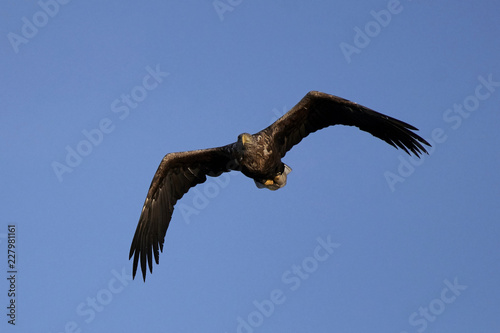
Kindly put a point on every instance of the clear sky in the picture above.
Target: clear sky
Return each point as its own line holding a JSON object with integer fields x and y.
{"x": 362, "y": 238}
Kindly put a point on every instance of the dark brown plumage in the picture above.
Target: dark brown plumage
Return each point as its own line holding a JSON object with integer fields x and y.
{"x": 257, "y": 156}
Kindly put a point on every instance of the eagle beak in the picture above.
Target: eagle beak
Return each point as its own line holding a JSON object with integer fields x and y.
{"x": 245, "y": 138}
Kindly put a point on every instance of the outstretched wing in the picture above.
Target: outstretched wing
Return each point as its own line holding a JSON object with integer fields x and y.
{"x": 177, "y": 173}
{"x": 318, "y": 110}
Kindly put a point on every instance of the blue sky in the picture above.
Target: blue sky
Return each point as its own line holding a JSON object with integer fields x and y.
{"x": 362, "y": 238}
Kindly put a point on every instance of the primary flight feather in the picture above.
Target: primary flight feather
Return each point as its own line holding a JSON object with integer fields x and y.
{"x": 257, "y": 156}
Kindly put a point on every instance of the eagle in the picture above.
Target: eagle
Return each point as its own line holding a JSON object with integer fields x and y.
{"x": 258, "y": 156}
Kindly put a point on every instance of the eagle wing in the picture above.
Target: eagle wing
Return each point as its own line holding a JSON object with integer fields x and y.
{"x": 318, "y": 110}
{"x": 177, "y": 173}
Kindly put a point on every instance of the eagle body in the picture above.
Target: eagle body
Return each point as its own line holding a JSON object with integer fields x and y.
{"x": 259, "y": 157}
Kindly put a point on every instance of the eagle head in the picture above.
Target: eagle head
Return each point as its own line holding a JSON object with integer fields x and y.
{"x": 244, "y": 140}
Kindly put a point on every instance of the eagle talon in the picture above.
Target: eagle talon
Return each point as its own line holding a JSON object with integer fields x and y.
{"x": 269, "y": 182}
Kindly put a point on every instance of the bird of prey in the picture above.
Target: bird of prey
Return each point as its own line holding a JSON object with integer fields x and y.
{"x": 257, "y": 156}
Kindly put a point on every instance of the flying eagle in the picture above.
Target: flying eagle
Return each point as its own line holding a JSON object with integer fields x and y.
{"x": 257, "y": 156}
